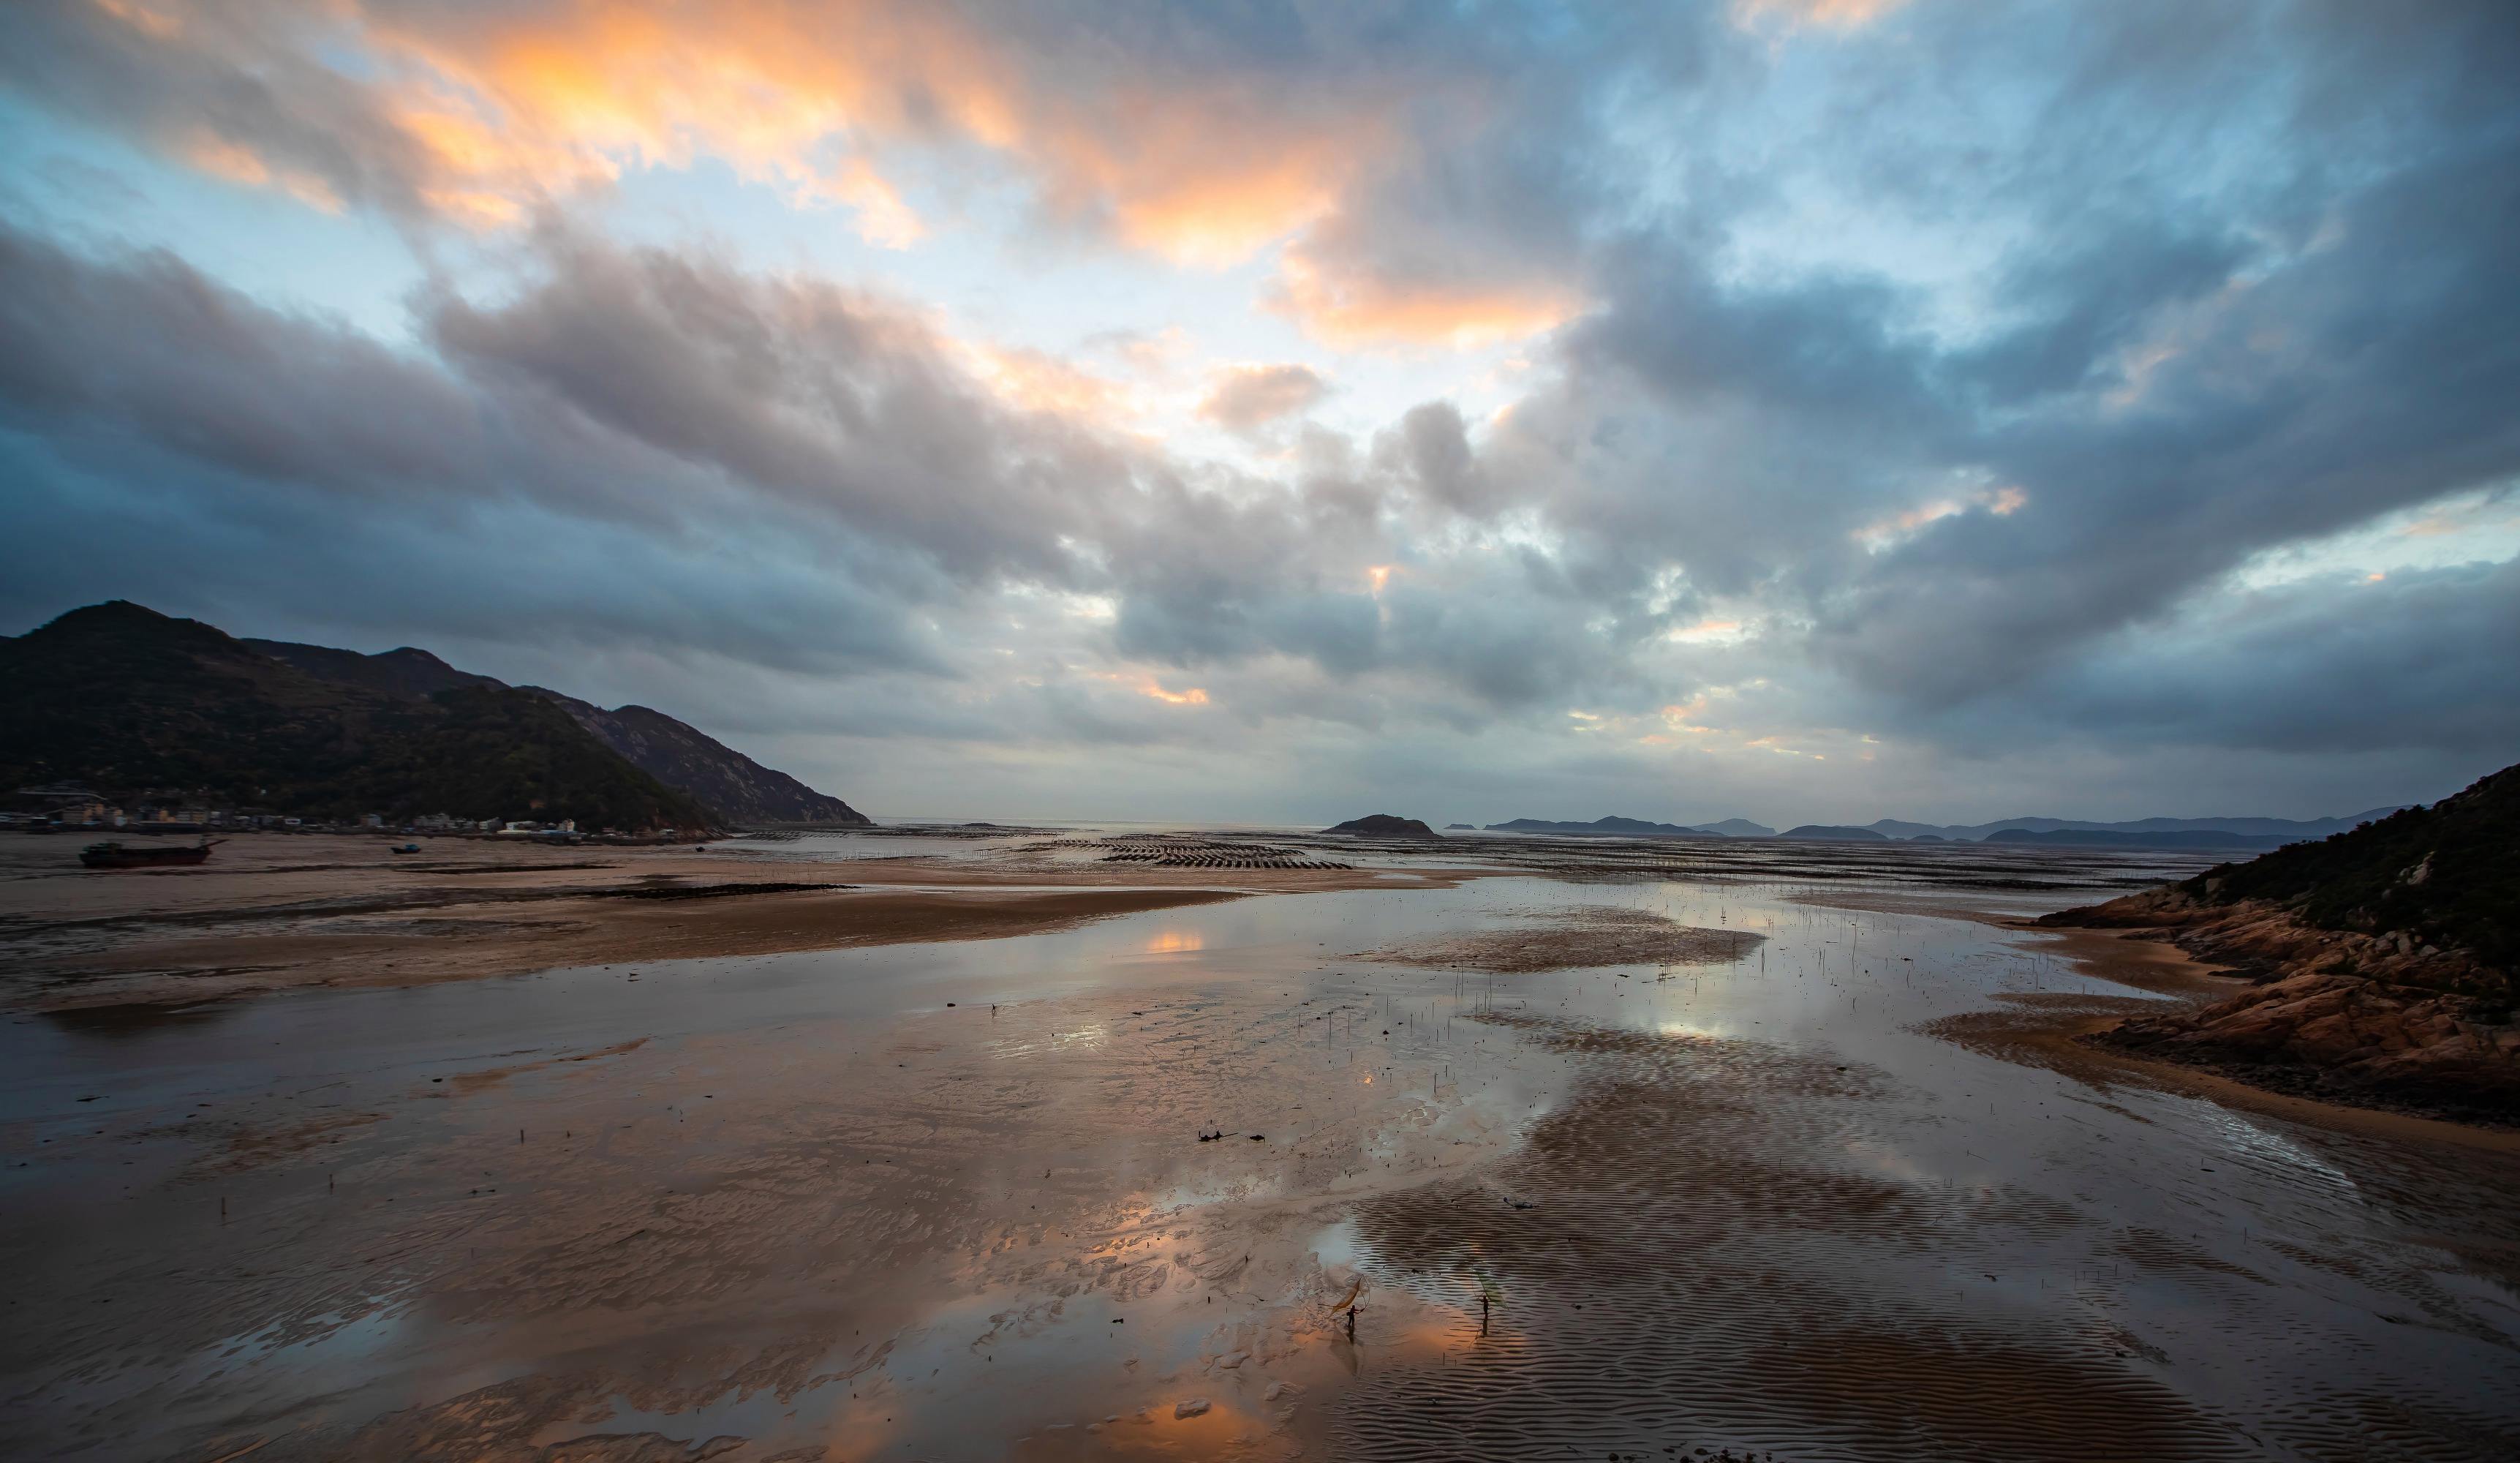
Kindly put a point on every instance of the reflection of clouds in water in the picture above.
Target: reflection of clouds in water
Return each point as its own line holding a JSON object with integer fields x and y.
{"x": 1176, "y": 942}
{"x": 1084, "y": 1038}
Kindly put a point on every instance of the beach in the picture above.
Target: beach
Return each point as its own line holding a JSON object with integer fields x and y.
{"x": 1013, "y": 1149}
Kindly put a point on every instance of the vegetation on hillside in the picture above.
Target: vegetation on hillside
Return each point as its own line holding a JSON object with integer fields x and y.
{"x": 2447, "y": 875}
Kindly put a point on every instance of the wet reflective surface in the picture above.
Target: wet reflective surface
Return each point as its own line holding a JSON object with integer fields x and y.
{"x": 1789, "y": 1200}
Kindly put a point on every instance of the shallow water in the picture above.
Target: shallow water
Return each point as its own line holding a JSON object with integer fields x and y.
{"x": 801, "y": 1201}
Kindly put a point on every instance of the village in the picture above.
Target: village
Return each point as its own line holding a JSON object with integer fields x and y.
{"x": 74, "y": 807}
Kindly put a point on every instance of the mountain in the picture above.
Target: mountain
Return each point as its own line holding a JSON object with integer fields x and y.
{"x": 1384, "y": 826}
{"x": 2248, "y": 827}
{"x": 127, "y": 700}
{"x": 1634, "y": 828}
{"x": 2094, "y": 837}
{"x": 407, "y": 673}
{"x": 675, "y": 753}
{"x": 1600, "y": 827}
{"x": 1835, "y": 833}
{"x": 683, "y": 756}
{"x": 1738, "y": 828}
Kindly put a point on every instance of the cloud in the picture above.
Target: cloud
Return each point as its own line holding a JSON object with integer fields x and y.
{"x": 1936, "y": 371}
{"x": 1204, "y": 138}
{"x": 1247, "y": 399}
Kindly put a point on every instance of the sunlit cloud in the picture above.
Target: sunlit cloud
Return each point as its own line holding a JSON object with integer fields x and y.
{"x": 1711, "y": 631}
{"x": 1836, "y": 14}
{"x": 1150, "y": 688}
{"x": 1352, "y": 307}
{"x": 237, "y": 163}
{"x": 1888, "y": 533}
{"x": 503, "y": 108}
{"x": 1246, "y": 398}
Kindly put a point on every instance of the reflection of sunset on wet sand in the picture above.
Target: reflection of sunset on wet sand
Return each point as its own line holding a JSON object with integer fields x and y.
{"x": 1042, "y": 1197}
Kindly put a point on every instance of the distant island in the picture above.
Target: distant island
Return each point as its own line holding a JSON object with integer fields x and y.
{"x": 2237, "y": 833}
{"x": 1738, "y": 828}
{"x": 1384, "y": 826}
{"x": 116, "y": 703}
{"x": 2095, "y": 838}
{"x": 1835, "y": 833}
{"x": 2152, "y": 831}
{"x": 1633, "y": 828}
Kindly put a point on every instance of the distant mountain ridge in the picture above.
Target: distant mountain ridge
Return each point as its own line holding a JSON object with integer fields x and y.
{"x": 2101, "y": 838}
{"x": 1835, "y": 833}
{"x": 674, "y": 753}
{"x": 2139, "y": 833}
{"x": 2294, "y": 829}
{"x": 1631, "y": 828}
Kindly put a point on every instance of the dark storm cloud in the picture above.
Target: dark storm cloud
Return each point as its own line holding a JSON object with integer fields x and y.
{"x": 2173, "y": 380}
{"x": 831, "y": 402}
{"x": 153, "y": 348}
{"x": 245, "y": 74}
{"x": 2418, "y": 659}
{"x": 795, "y": 471}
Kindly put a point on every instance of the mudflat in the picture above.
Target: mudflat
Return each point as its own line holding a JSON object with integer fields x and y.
{"x": 282, "y": 911}
{"x": 1638, "y": 1152}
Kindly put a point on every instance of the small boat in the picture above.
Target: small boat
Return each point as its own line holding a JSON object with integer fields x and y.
{"x": 121, "y": 856}
{"x": 406, "y": 847}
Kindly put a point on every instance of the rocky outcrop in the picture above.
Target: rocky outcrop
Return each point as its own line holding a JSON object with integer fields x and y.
{"x": 2371, "y": 1018}
{"x": 2346, "y": 1037}
{"x": 2268, "y": 941}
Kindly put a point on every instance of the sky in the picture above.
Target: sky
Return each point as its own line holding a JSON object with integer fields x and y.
{"x": 1807, "y": 410}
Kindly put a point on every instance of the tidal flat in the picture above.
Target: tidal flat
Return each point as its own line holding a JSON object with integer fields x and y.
{"x": 1511, "y": 1149}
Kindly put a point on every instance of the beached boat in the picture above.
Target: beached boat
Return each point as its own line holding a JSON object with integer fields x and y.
{"x": 122, "y": 856}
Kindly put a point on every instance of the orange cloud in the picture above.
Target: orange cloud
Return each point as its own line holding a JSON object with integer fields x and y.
{"x": 494, "y": 109}
{"x": 1360, "y": 307}
{"x": 507, "y": 105}
{"x": 238, "y": 163}
{"x": 1246, "y": 398}
{"x": 1836, "y": 15}
{"x": 1153, "y": 690}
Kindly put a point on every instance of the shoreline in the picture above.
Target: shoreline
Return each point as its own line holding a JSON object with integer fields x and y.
{"x": 2070, "y": 1040}
{"x": 313, "y": 911}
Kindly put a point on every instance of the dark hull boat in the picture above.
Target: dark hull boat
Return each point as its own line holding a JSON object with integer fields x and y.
{"x": 119, "y": 857}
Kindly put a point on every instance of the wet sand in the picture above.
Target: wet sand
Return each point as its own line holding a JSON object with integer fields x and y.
{"x": 1043, "y": 1196}
{"x": 275, "y": 912}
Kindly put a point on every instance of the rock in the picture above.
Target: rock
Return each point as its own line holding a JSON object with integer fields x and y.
{"x": 1233, "y": 1359}
{"x": 2337, "y": 1034}
{"x": 1189, "y": 1407}
{"x": 1275, "y": 1390}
